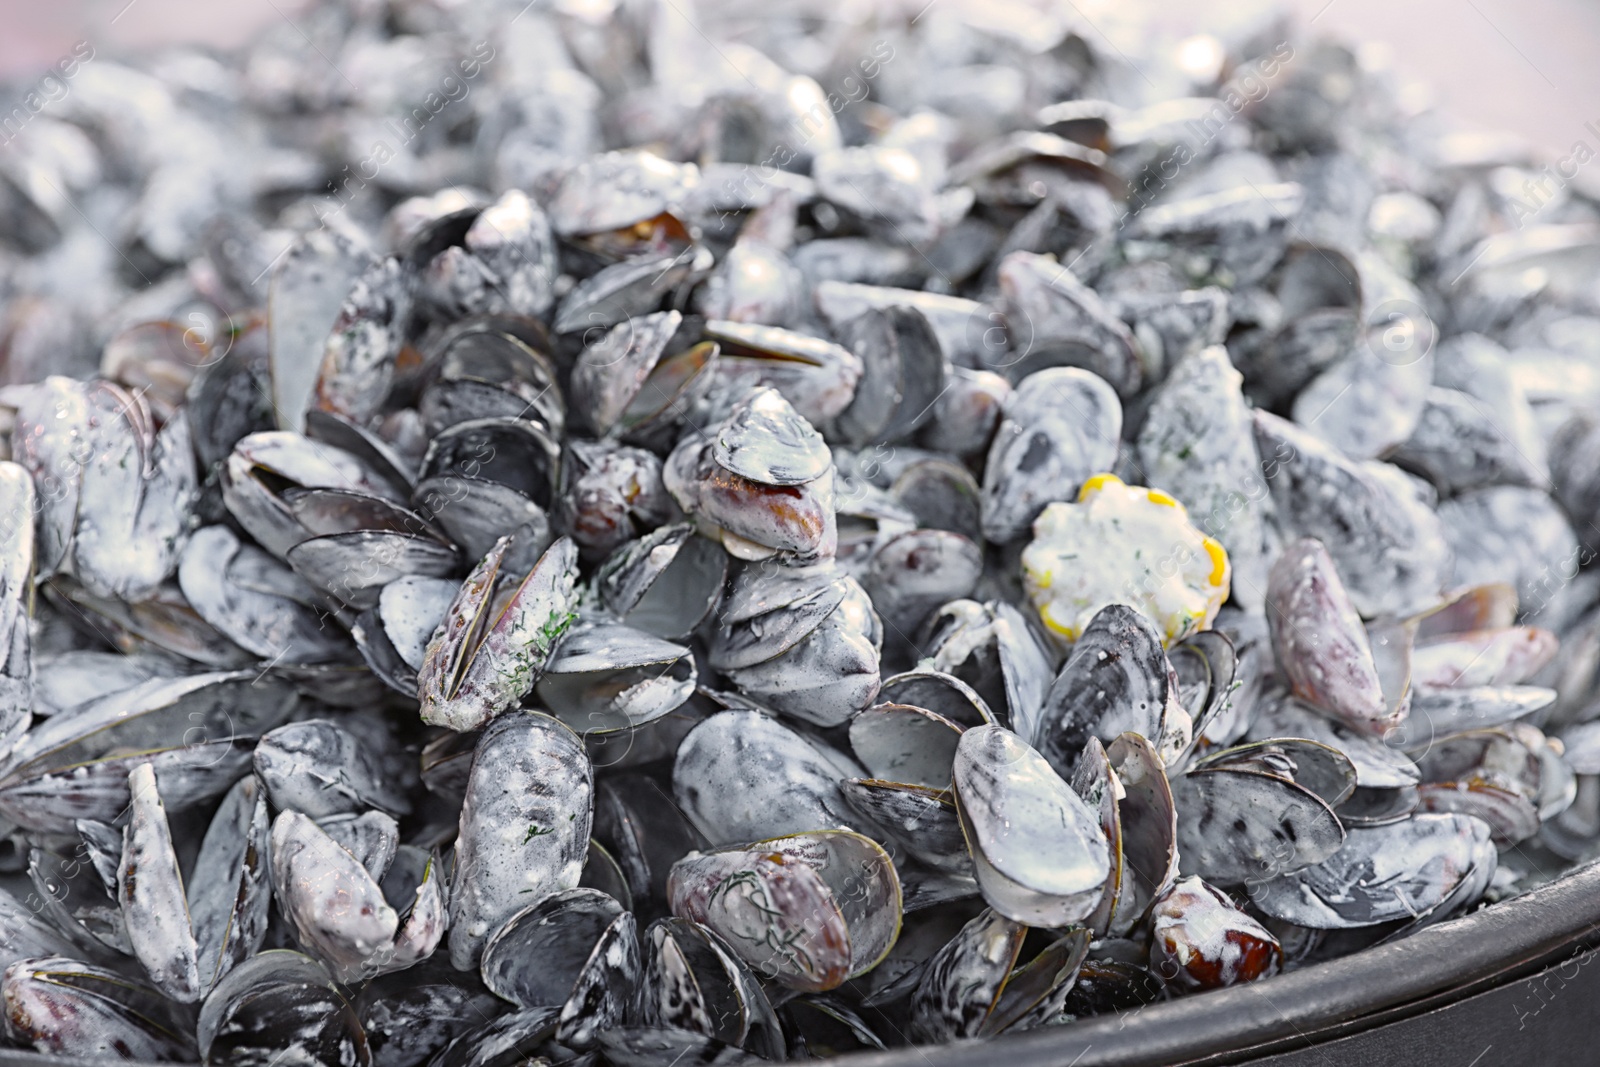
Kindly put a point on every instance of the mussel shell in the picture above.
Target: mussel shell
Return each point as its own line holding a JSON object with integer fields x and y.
{"x": 743, "y": 776}
{"x": 1274, "y": 827}
{"x": 333, "y": 904}
{"x": 831, "y": 674}
{"x": 1387, "y": 546}
{"x": 529, "y": 772}
{"x": 276, "y": 1005}
{"x": 538, "y": 956}
{"x": 943, "y": 694}
{"x": 1060, "y": 426}
{"x": 1314, "y": 765}
{"x": 318, "y": 768}
{"x": 920, "y": 819}
{"x": 610, "y": 373}
{"x": 267, "y": 625}
{"x": 941, "y": 495}
{"x": 488, "y": 652}
{"x": 409, "y": 1018}
{"x": 356, "y": 566}
{"x": 665, "y": 583}
{"x": 504, "y": 1041}
{"x": 1117, "y": 680}
{"x": 1201, "y": 940}
{"x": 765, "y": 440}
{"x": 903, "y": 375}
{"x": 818, "y": 377}
{"x": 904, "y": 743}
{"x": 603, "y": 677}
{"x": 1320, "y": 642}
{"x": 914, "y": 573}
{"x": 1040, "y": 855}
{"x": 150, "y": 889}
{"x": 1198, "y": 444}
{"x": 477, "y": 512}
{"x": 1147, "y": 828}
{"x": 62, "y": 1007}
{"x": 1422, "y": 861}
{"x": 838, "y": 880}
{"x": 961, "y": 983}
{"x": 511, "y": 451}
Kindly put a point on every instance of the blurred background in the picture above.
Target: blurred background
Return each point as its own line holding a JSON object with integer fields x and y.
{"x": 1525, "y": 66}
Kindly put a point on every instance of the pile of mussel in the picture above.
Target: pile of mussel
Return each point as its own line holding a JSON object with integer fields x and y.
{"x": 699, "y": 561}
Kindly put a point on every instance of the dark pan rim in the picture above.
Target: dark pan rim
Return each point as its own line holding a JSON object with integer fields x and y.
{"x": 1379, "y": 985}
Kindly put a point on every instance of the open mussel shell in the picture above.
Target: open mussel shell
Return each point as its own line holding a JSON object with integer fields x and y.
{"x": 904, "y": 743}
{"x": 920, "y": 819}
{"x": 1500, "y": 656}
{"x": 1275, "y": 826}
{"x": 1147, "y": 829}
{"x": 354, "y": 567}
{"x": 743, "y": 776}
{"x": 254, "y": 600}
{"x": 578, "y": 951}
{"x": 1437, "y": 713}
{"x": 1039, "y": 852}
{"x": 280, "y": 1005}
{"x": 817, "y": 377}
{"x": 821, "y": 1026}
{"x": 63, "y": 1007}
{"x": 482, "y": 369}
{"x": 903, "y": 375}
{"x": 645, "y": 832}
{"x": 940, "y": 495}
{"x": 197, "y": 731}
{"x": 164, "y": 623}
{"x": 943, "y": 694}
{"x": 1068, "y": 324}
{"x": 602, "y": 872}
{"x": 610, "y": 373}
{"x": 1385, "y": 778}
{"x": 1207, "y": 666}
{"x": 410, "y": 1017}
{"x": 665, "y": 583}
{"x": 1424, "y": 859}
{"x": 393, "y": 634}
{"x": 603, "y": 677}
{"x": 334, "y": 904}
{"x": 489, "y": 476}
{"x": 263, "y": 465}
{"x": 493, "y": 642}
{"x": 972, "y": 987}
{"x": 524, "y": 828}
{"x": 992, "y": 649}
{"x": 1116, "y": 680}
{"x": 830, "y": 899}
{"x": 1314, "y": 765}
